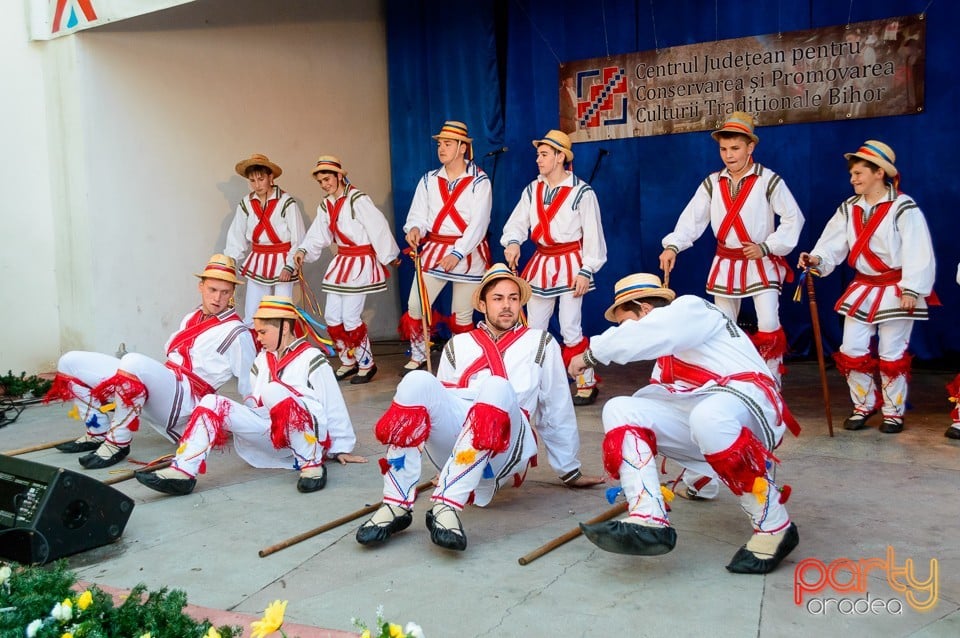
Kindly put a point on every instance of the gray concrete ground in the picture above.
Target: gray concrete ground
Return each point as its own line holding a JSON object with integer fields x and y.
{"x": 854, "y": 496}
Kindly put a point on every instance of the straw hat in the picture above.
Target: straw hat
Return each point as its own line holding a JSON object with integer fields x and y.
{"x": 740, "y": 123}
{"x": 221, "y": 267}
{"x": 500, "y": 271}
{"x": 877, "y": 153}
{"x": 257, "y": 159}
{"x": 456, "y": 131}
{"x": 276, "y": 307}
{"x": 558, "y": 140}
{"x": 329, "y": 163}
{"x": 637, "y": 286}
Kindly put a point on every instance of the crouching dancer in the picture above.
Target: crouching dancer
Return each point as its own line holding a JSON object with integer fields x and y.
{"x": 713, "y": 407}
{"x": 473, "y": 418}
{"x": 294, "y": 415}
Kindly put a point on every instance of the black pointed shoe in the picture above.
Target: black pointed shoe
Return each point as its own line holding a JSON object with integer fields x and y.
{"x": 307, "y": 484}
{"x": 857, "y": 420}
{"x": 364, "y": 376}
{"x": 446, "y": 537}
{"x": 94, "y": 461}
{"x": 626, "y": 538}
{"x": 952, "y": 432}
{"x": 80, "y": 445}
{"x": 590, "y": 399}
{"x": 371, "y": 533}
{"x": 746, "y": 562}
{"x": 176, "y": 487}
{"x": 891, "y": 425}
{"x": 345, "y": 371}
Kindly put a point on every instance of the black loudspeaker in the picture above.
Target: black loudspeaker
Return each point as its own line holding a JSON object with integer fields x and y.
{"x": 48, "y": 512}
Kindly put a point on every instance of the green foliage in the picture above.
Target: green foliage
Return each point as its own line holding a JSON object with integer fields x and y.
{"x": 15, "y": 387}
{"x": 31, "y": 594}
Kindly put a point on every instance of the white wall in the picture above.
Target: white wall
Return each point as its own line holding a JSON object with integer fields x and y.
{"x": 156, "y": 111}
{"x": 30, "y": 340}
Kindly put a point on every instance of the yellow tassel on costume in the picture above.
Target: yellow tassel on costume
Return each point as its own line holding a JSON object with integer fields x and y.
{"x": 182, "y": 448}
{"x": 106, "y": 407}
{"x": 74, "y": 413}
{"x": 667, "y": 493}
{"x": 466, "y": 457}
{"x": 310, "y": 438}
{"x": 760, "y": 487}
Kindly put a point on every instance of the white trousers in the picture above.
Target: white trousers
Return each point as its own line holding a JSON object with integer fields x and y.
{"x": 255, "y": 291}
{"x": 686, "y": 427}
{"x": 461, "y": 305}
{"x": 766, "y": 304}
{"x": 893, "y": 339}
{"x": 167, "y": 406}
{"x": 449, "y": 446}
{"x": 539, "y": 312}
{"x": 348, "y": 311}
{"x": 251, "y": 435}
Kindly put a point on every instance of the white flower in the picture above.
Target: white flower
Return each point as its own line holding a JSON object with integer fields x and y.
{"x": 5, "y": 573}
{"x": 413, "y": 630}
{"x": 63, "y": 611}
{"x": 34, "y": 627}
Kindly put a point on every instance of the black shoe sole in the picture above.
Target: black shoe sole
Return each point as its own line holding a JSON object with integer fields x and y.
{"x": 307, "y": 484}
{"x": 174, "y": 487}
{"x": 626, "y": 538}
{"x": 376, "y": 534}
{"x": 94, "y": 461}
{"x": 360, "y": 379}
{"x": 73, "y": 447}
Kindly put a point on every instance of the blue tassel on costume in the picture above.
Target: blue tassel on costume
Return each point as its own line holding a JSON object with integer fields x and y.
{"x": 92, "y": 422}
{"x": 397, "y": 462}
{"x": 613, "y": 493}
{"x": 296, "y": 463}
{"x": 488, "y": 472}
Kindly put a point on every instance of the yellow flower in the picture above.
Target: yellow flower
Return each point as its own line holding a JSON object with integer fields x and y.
{"x": 365, "y": 634}
{"x": 66, "y": 635}
{"x": 759, "y": 490}
{"x": 466, "y": 457}
{"x": 271, "y": 621}
{"x": 396, "y": 631}
{"x": 146, "y": 635}
{"x": 85, "y": 600}
{"x": 667, "y": 493}
{"x": 212, "y": 633}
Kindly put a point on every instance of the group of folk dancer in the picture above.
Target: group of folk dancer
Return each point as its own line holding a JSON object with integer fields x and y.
{"x": 713, "y": 404}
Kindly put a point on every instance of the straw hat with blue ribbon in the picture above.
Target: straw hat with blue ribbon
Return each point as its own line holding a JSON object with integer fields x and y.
{"x": 637, "y": 286}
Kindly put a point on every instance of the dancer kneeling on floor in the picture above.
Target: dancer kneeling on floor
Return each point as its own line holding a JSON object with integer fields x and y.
{"x": 713, "y": 407}
{"x": 293, "y": 417}
{"x": 473, "y": 419}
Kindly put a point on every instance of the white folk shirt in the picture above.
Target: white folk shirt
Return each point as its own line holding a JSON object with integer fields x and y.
{"x": 219, "y": 353}
{"x": 901, "y": 241}
{"x": 359, "y": 224}
{"x": 267, "y": 258}
{"x": 768, "y": 197}
{"x": 309, "y": 376}
{"x": 535, "y": 370}
{"x": 576, "y": 220}
{"x": 473, "y": 206}
{"x": 697, "y": 333}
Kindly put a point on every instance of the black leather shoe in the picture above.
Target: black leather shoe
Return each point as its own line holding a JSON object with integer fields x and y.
{"x": 857, "y": 420}
{"x": 365, "y": 377}
{"x": 446, "y": 537}
{"x": 952, "y": 433}
{"x": 94, "y": 461}
{"x": 404, "y": 370}
{"x": 308, "y": 484}
{"x": 177, "y": 487}
{"x": 371, "y": 533}
{"x": 342, "y": 374}
{"x": 587, "y": 400}
{"x": 891, "y": 425}
{"x": 626, "y": 538}
{"x": 746, "y": 562}
{"x": 72, "y": 447}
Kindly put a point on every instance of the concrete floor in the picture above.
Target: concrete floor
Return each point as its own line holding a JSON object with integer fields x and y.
{"x": 854, "y": 496}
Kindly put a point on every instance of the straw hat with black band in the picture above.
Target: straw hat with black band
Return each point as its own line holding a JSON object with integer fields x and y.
{"x": 257, "y": 159}
{"x": 635, "y": 287}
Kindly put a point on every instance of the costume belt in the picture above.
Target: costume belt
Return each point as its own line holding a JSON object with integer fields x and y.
{"x": 271, "y": 249}
{"x": 559, "y": 249}
{"x": 725, "y": 252}
{"x": 883, "y": 279}
{"x": 356, "y": 251}
{"x": 198, "y": 386}
{"x": 443, "y": 239}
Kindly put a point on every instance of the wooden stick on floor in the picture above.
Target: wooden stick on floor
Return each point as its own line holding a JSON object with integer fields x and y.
{"x": 126, "y": 475}
{"x": 572, "y": 534}
{"x": 36, "y": 448}
{"x": 369, "y": 509}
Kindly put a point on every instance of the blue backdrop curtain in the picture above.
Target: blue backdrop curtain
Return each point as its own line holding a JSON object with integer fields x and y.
{"x": 512, "y": 49}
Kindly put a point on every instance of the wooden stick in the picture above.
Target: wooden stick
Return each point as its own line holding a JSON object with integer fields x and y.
{"x": 36, "y": 448}
{"x": 572, "y": 534}
{"x": 815, "y": 319}
{"x": 666, "y": 279}
{"x": 425, "y": 307}
{"x": 369, "y": 509}
{"x": 126, "y": 475}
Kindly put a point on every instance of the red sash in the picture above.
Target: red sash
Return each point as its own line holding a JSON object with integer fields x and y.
{"x": 449, "y": 208}
{"x": 263, "y": 220}
{"x": 864, "y": 232}
{"x": 732, "y": 218}
{"x": 276, "y": 365}
{"x": 544, "y": 217}
{"x": 334, "y": 211}
{"x": 183, "y": 341}
{"x": 673, "y": 370}
{"x": 492, "y": 356}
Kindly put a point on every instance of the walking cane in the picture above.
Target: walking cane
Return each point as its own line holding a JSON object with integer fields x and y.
{"x": 809, "y": 274}
{"x": 35, "y": 448}
{"x": 546, "y": 548}
{"x": 425, "y": 309}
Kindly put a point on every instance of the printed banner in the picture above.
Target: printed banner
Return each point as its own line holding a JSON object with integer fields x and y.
{"x": 867, "y": 69}
{"x": 54, "y": 18}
